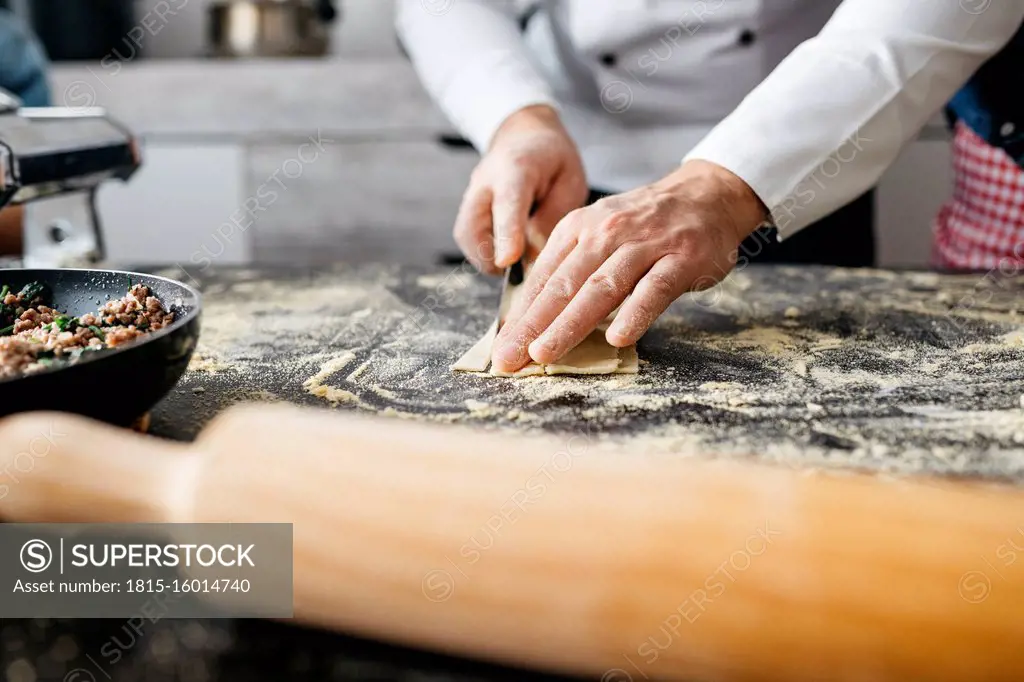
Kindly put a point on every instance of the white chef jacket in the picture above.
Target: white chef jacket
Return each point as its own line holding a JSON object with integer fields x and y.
{"x": 808, "y": 101}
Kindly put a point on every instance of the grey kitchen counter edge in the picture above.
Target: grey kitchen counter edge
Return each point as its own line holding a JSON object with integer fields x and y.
{"x": 271, "y": 138}
{"x": 370, "y": 99}
{"x": 367, "y": 96}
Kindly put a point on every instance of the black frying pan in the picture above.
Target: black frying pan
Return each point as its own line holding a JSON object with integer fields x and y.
{"x": 118, "y": 385}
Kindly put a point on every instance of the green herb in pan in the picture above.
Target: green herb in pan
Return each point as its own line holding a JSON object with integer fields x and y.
{"x": 49, "y": 351}
{"x": 7, "y": 312}
{"x": 66, "y": 324}
{"x": 34, "y": 290}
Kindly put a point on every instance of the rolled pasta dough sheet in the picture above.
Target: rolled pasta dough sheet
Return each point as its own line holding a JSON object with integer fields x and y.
{"x": 477, "y": 358}
{"x": 593, "y": 356}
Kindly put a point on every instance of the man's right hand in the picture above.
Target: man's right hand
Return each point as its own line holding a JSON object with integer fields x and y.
{"x": 531, "y": 160}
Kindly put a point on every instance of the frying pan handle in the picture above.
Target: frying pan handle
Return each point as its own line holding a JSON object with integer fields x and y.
{"x": 557, "y": 553}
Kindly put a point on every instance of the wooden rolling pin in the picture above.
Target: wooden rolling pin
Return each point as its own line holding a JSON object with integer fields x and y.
{"x": 552, "y": 553}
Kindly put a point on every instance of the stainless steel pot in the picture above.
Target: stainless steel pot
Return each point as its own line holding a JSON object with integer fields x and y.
{"x": 270, "y": 28}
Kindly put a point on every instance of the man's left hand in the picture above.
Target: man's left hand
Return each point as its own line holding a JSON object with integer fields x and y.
{"x": 657, "y": 242}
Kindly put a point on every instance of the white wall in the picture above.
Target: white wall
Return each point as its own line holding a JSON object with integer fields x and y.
{"x": 908, "y": 198}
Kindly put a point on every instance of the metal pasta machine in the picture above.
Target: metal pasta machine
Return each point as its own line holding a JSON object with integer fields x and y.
{"x": 52, "y": 161}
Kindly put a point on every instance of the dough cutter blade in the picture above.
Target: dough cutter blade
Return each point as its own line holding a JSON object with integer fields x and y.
{"x": 514, "y": 275}
{"x": 477, "y": 358}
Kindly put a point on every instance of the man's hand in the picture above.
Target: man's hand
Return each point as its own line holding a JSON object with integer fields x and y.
{"x": 532, "y": 160}
{"x": 680, "y": 234}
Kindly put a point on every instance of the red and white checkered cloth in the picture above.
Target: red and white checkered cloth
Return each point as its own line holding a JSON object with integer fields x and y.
{"x": 982, "y": 226}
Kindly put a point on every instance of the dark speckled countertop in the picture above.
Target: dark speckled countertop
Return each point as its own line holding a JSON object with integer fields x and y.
{"x": 814, "y": 367}
{"x": 865, "y": 369}
{"x": 110, "y": 650}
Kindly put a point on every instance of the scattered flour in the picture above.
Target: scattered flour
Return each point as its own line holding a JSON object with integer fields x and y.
{"x": 206, "y": 364}
{"x": 315, "y": 384}
{"x": 741, "y": 378}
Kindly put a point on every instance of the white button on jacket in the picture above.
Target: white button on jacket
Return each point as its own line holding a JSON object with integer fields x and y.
{"x": 808, "y": 101}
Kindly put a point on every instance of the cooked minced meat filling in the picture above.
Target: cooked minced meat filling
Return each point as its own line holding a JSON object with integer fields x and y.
{"x": 33, "y": 335}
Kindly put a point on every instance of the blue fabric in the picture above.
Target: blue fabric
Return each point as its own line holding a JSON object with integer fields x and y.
{"x": 23, "y": 62}
{"x": 992, "y": 103}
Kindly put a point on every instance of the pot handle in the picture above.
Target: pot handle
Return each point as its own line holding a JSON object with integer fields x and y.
{"x": 326, "y": 11}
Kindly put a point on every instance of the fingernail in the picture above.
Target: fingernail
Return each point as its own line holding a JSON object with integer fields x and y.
{"x": 503, "y": 252}
{"x": 507, "y": 357}
{"x": 617, "y": 338}
{"x": 544, "y": 350}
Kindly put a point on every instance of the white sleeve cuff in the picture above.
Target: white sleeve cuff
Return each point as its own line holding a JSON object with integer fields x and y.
{"x": 824, "y": 126}
{"x": 771, "y": 188}
{"x": 820, "y": 183}
{"x": 497, "y": 86}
